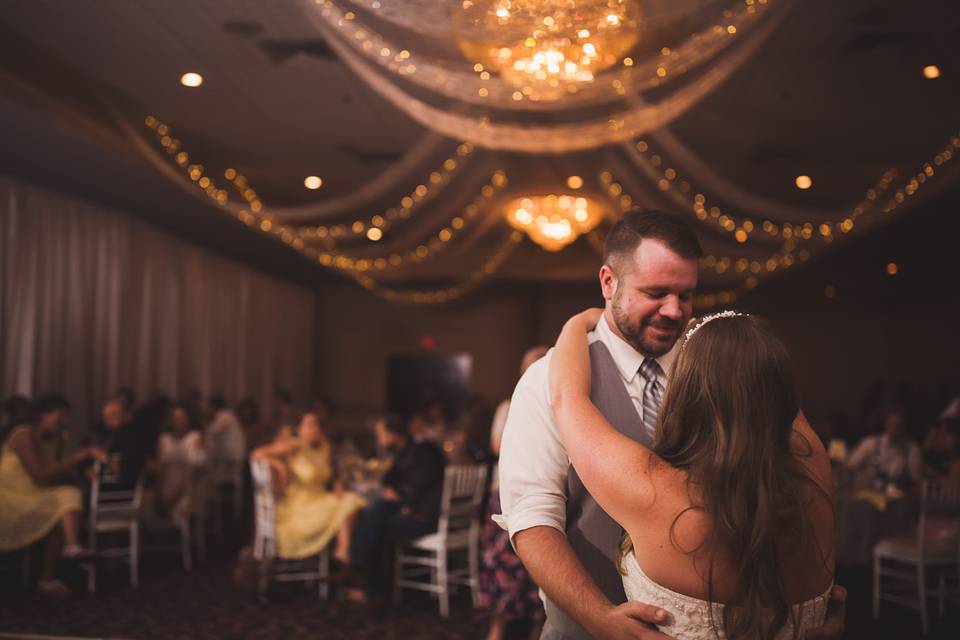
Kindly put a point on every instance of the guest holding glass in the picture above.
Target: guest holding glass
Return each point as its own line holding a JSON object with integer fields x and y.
{"x": 38, "y": 491}
{"x": 126, "y": 448}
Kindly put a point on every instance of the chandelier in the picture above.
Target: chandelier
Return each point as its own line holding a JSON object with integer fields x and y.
{"x": 547, "y": 48}
{"x": 553, "y": 221}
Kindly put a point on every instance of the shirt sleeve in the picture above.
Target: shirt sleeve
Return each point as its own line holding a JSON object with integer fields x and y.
{"x": 533, "y": 463}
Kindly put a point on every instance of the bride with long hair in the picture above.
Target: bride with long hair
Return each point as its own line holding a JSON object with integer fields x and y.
{"x": 728, "y": 517}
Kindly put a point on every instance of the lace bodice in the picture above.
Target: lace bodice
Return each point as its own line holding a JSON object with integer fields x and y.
{"x": 691, "y": 616}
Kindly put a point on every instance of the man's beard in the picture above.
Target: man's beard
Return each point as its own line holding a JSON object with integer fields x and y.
{"x": 633, "y": 332}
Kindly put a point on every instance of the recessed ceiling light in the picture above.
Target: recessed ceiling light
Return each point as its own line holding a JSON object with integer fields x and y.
{"x": 312, "y": 182}
{"x": 374, "y": 234}
{"x": 931, "y": 71}
{"x": 191, "y": 79}
{"x": 892, "y": 268}
{"x": 804, "y": 182}
{"x": 574, "y": 182}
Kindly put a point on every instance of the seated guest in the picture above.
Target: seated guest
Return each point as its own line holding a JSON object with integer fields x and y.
{"x": 224, "y": 437}
{"x": 127, "y": 450}
{"x": 408, "y": 506}
{"x": 308, "y": 513}
{"x": 889, "y": 458}
{"x": 940, "y": 446}
{"x": 38, "y": 491}
{"x": 180, "y": 454}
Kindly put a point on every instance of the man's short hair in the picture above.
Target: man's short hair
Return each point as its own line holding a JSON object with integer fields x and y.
{"x": 396, "y": 425}
{"x": 217, "y": 401}
{"x": 649, "y": 224}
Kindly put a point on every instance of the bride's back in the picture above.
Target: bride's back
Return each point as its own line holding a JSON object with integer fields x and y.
{"x": 741, "y": 510}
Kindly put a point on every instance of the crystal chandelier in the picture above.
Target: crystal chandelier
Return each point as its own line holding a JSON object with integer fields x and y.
{"x": 547, "y": 48}
{"x": 553, "y": 221}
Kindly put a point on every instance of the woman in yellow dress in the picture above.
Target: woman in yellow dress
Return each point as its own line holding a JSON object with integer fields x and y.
{"x": 309, "y": 514}
{"x": 36, "y": 490}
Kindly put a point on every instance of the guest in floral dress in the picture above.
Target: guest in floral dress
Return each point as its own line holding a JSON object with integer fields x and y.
{"x": 505, "y": 586}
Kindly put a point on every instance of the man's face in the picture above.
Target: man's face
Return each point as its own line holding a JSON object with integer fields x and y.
{"x": 651, "y": 299}
{"x": 113, "y": 415}
{"x": 53, "y": 421}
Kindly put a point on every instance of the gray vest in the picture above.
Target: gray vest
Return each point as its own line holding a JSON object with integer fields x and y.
{"x": 594, "y": 536}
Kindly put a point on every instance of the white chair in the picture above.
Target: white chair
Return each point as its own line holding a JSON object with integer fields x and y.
{"x": 316, "y": 568}
{"x": 113, "y": 511}
{"x": 939, "y": 498}
{"x": 458, "y": 530}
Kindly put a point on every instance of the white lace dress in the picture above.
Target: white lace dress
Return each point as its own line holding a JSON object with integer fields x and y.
{"x": 691, "y": 616}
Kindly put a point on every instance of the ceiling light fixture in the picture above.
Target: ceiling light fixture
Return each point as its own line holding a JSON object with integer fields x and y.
{"x": 553, "y": 221}
{"x": 804, "y": 182}
{"x": 191, "y": 79}
{"x": 312, "y": 182}
{"x": 931, "y": 72}
{"x": 574, "y": 182}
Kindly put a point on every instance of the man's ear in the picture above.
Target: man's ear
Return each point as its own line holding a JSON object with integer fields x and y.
{"x": 608, "y": 282}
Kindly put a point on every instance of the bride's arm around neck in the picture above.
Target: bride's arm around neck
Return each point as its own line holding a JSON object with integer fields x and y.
{"x": 616, "y": 470}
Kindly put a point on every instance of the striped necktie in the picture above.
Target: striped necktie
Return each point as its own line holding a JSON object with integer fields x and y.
{"x": 650, "y": 371}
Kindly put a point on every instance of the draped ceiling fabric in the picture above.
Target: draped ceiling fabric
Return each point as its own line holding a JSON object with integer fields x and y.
{"x": 91, "y": 300}
{"x": 431, "y": 80}
{"x": 722, "y": 105}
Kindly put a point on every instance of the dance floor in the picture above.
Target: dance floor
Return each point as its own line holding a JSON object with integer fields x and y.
{"x": 174, "y": 605}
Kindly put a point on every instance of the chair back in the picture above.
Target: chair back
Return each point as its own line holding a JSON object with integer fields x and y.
{"x": 463, "y": 489}
{"x": 940, "y": 502}
{"x": 264, "y": 506}
{"x": 106, "y": 499}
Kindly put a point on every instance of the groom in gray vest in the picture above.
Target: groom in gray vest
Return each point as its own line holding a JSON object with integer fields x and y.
{"x": 567, "y": 542}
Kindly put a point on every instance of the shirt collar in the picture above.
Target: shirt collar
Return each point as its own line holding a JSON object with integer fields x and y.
{"x": 628, "y": 359}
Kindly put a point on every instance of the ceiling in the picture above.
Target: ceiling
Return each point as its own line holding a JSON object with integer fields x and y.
{"x": 836, "y": 93}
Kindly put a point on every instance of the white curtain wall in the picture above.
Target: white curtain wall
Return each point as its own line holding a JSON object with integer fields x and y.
{"x": 91, "y": 300}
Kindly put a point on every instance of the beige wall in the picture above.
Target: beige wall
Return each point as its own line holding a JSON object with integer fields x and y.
{"x": 840, "y": 347}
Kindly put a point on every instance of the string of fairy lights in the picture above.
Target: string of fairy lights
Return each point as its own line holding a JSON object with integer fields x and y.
{"x": 439, "y": 296}
{"x": 296, "y": 236}
{"x": 302, "y": 237}
{"x": 383, "y": 221}
{"x": 741, "y": 228}
{"x": 901, "y": 195}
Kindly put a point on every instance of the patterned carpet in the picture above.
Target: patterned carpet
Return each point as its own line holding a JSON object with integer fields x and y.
{"x": 173, "y": 605}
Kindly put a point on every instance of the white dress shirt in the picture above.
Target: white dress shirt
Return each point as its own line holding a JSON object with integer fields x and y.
{"x": 226, "y": 441}
{"x": 533, "y": 461}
